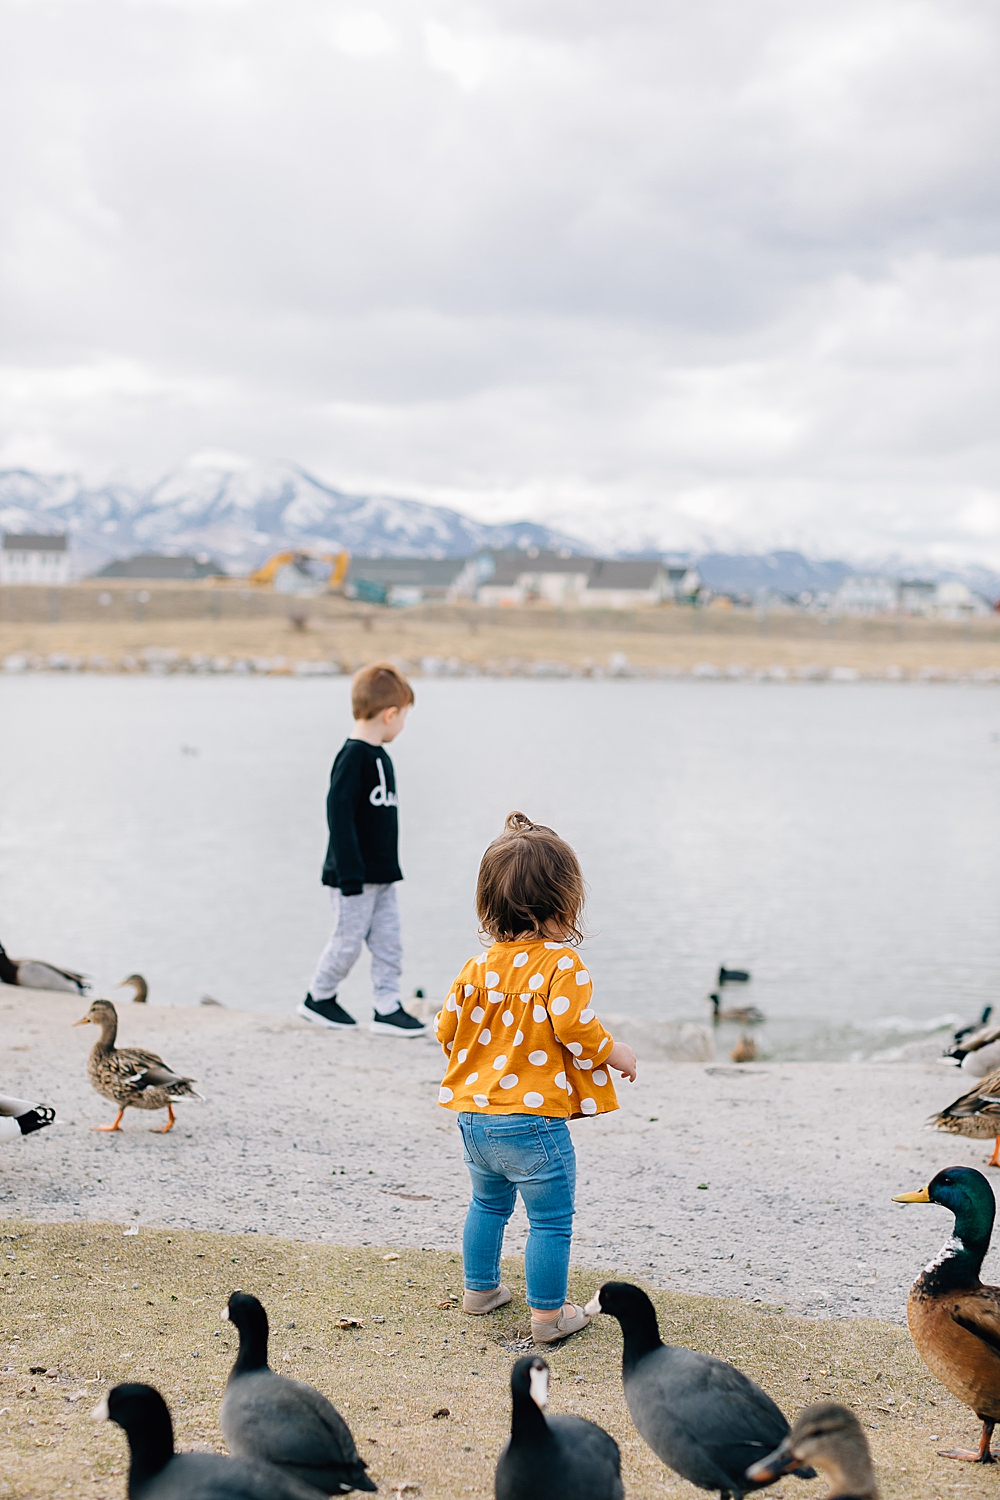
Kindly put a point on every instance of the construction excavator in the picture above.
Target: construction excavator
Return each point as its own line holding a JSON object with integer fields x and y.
{"x": 268, "y": 574}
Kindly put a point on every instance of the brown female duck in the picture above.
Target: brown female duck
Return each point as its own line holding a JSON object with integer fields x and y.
{"x": 954, "y": 1319}
{"x": 829, "y": 1437}
{"x": 975, "y": 1114}
{"x": 131, "y": 1077}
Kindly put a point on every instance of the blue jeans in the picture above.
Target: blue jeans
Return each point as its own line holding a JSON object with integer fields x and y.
{"x": 533, "y": 1155}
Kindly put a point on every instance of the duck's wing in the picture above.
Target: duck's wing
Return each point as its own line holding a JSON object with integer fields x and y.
{"x": 984, "y": 1099}
{"x": 981, "y": 1036}
{"x": 978, "y": 1312}
{"x": 33, "y": 974}
{"x": 144, "y": 1070}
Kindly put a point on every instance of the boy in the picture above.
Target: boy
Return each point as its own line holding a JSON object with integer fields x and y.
{"x": 362, "y": 863}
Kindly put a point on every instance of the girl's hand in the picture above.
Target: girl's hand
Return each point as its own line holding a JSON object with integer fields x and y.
{"x": 623, "y": 1059}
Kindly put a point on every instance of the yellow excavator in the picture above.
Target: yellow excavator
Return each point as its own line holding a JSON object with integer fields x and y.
{"x": 338, "y": 562}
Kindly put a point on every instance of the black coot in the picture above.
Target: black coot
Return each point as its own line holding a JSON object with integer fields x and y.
{"x": 284, "y": 1422}
{"x": 704, "y": 1418}
{"x": 156, "y": 1472}
{"x": 553, "y": 1458}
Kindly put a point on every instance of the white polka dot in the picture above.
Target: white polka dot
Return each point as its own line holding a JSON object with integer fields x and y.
{"x": 444, "y": 1095}
{"x": 484, "y": 1036}
{"x": 560, "y": 1081}
{"x": 449, "y": 1046}
{"x": 491, "y": 977}
{"x": 569, "y": 1087}
{"x": 463, "y": 1054}
{"x": 508, "y": 1081}
{"x": 533, "y": 1100}
{"x": 478, "y": 1014}
{"x": 538, "y": 1014}
{"x": 481, "y": 1100}
{"x": 586, "y": 1015}
{"x": 526, "y": 998}
{"x": 582, "y": 977}
{"x": 469, "y": 989}
{"x": 508, "y": 1018}
{"x": 520, "y": 959}
{"x": 583, "y": 1065}
{"x": 471, "y": 1080}
{"x": 565, "y": 962}
{"x": 450, "y": 1003}
{"x": 588, "y": 1106}
{"x": 500, "y": 1062}
{"x": 575, "y": 1047}
{"x": 538, "y": 1058}
{"x": 604, "y": 1044}
{"x": 494, "y": 996}
{"x": 536, "y": 981}
{"x": 559, "y": 1006}
{"x": 600, "y": 1078}
{"x": 518, "y": 1038}
{"x": 555, "y": 945}
{"x": 481, "y": 959}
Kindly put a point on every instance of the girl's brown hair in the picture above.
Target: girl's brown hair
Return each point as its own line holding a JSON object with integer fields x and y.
{"x": 528, "y": 877}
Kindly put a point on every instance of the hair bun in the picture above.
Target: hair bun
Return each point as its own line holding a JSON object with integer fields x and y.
{"x": 518, "y": 823}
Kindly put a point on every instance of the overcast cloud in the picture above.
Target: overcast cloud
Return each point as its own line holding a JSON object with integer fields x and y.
{"x": 721, "y": 273}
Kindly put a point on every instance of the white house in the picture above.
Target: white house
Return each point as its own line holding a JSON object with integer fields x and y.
{"x": 866, "y": 594}
{"x": 569, "y": 582}
{"x": 31, "y": 558}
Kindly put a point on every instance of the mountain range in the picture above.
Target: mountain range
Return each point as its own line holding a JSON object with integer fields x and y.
{"x": 240, "y": 512}
{"x": 237, "y": 512}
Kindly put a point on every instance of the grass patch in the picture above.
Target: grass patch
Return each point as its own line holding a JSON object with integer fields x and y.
{"x": 91, "y": 1307}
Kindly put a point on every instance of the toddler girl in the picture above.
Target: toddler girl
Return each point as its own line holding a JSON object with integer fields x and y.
{"x": 525, "y": 1055}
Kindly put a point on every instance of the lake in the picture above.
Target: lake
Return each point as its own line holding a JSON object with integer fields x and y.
{"x": 840, "y": 841}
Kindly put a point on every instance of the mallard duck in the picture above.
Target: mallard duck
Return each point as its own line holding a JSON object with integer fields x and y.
{"x": 131, "y": 1077}
{"x": 34, "y": 974}
{"x": 746, "y": 1015}
{"x": 139, "y": 985}
{"x": 955, "y": 1320}
{"x": 975, "y": 1114}
{"x": 831, "y": 1438}
{"x": 967, "y": 1038}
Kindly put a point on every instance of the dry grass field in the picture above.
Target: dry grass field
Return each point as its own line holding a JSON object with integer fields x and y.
{"x": 238, "y": 623}
{"x": 423, "y": 1387}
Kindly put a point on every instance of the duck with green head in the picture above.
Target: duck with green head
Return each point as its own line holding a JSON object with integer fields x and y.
{"x": 954, "y": 1319}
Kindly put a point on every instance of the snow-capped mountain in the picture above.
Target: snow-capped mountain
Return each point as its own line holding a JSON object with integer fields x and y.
{"x": 239, "y": 512}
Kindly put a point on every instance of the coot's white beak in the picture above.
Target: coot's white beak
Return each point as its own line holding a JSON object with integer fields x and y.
{"x": 224, "y": 1315}
{"x": 594, "y": 1305}
{"x": 539, "y": 1387}
{"x": 100, "y": 1412}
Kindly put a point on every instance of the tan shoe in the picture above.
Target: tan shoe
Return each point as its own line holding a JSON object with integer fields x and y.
{"x": 484, "y": 1302}
{"x": 551, "y": 1330}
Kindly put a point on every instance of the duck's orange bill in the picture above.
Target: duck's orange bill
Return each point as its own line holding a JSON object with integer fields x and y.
{"x": 920, "y": 1197}
{"x": 84, "y": 1022}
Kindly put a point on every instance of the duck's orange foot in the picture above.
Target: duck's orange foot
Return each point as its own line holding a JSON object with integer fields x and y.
{"x": 171, "y": 1122}
{"x": 115, "y": 1125}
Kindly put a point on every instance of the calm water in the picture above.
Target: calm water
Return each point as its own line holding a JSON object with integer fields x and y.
{"x": 839, "y": 841}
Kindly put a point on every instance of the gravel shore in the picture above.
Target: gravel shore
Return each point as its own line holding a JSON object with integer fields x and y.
{"x": 770, "y": 1181}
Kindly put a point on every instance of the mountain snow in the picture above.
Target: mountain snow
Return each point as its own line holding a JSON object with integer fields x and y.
{"x": 239, "y": 512}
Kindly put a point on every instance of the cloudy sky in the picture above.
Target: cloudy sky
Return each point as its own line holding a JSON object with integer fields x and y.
{"x": 724, "y": 273}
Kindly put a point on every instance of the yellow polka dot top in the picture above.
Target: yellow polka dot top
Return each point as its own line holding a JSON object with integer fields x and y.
{"x": 521, "y": 1037}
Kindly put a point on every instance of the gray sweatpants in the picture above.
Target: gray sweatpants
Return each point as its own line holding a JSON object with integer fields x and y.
{"x": 372, "y": 918}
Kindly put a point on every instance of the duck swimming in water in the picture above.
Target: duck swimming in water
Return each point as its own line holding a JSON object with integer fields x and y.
{"x": 745, "y": 1015}
{"x": 34, "y": 974}
{"x": 954, "y": 1319}
{"x": 131, "y": 1077}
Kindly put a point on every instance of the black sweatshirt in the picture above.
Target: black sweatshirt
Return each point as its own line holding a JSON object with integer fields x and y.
{"x": 362, "y": 818}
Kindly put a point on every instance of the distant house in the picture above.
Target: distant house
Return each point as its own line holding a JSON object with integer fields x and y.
{"x": 408, "y": 580}
{"x": 570, "y": 582}
{"x": 157, "y": 567}
{"x": 866, "y": 594}
{"x": 34, "y": 558}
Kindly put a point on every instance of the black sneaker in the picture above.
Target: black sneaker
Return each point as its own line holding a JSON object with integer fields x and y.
{"x": 326, "y": 1013}
{"x": 398, "y": 1022}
